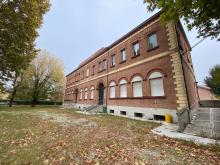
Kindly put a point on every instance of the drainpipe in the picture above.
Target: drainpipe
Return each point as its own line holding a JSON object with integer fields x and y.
{"x": 184, "y": 75}
{"x": 107, "y": 82}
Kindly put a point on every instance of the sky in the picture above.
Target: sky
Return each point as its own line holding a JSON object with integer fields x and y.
{"x": 73, "y": 30}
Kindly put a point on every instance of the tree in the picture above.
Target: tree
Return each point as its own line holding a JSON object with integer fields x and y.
{"x": 213, "y": 80}
{"x": 43, "y": 79}
{"x": 19, "y": 21}
{"x": 203, "y": 15}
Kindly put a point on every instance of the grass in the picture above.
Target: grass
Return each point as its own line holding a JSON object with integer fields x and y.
{"x": 50, "y": 135}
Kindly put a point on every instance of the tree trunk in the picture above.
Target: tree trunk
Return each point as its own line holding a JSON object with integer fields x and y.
{"x": 34, "y": 100}
{"x": 12, "y": 97}
{"x": 14, "y": 91}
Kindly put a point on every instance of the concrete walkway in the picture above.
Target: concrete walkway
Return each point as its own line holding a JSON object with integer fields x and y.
{"x": 170, "y": 130}
{"x": 205, "y": 123}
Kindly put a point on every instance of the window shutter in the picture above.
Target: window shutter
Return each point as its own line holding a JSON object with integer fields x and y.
{"x": 137, "y": 89}
{"x": 92, "y": 94}
{"x": 123, "y": 90}
{"x": 157, "y": 88}
{"x": 112, "y": 92}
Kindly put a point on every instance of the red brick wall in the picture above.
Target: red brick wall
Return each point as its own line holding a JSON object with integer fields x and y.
{"x": 162, "y": 64}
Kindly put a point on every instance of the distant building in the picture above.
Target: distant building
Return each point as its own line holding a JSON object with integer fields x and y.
{"x": 141, "y": 75}
{"x": 205, "y": 93}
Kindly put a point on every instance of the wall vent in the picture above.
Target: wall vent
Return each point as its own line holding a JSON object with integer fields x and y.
{"x": 140, "y": 115}
{"x": 112, "y": 111}
{"x": 123, "y": 113}
{"x": 159, "y": 117}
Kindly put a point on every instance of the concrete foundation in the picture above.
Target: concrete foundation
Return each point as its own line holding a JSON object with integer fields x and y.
{"x": 137, "y": 113}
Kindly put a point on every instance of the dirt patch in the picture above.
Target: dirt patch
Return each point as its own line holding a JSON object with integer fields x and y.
{"x": 55, "y": 117}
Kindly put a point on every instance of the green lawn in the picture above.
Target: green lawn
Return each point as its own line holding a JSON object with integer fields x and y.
{"x": 50, "y": 135}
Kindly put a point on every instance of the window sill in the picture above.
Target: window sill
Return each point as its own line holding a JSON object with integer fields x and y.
{"x": 135, "y": 56}
{"x": 122, "y": 62}
{"x": 144, "y": 97}
{"x": 156, "y": 47}
{"x": 112, "y": 66}
{"x": 101, "y": 71}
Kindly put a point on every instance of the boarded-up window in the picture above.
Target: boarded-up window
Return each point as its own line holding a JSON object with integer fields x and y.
{"x": 137, "y": 86}
{"x": 112, "y": 89}
{"x": 86, "y": 93}
{"x": 156, "y": 84}
{"x": 92, "y": 93}
{"x": 123, "y": 88}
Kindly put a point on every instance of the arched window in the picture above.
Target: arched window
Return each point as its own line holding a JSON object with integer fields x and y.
{"x": 156, "y": 84}
{"x": 123, "y": 88}
{"x": 81, "y": 94}
{"x": 112, "y": 89}
{"x": 137, "y": 86}
{"x": 92, "y": 92}
{"x": 86, "y": 93}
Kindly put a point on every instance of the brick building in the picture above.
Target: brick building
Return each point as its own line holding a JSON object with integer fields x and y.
{"x": 205, "y": 93}
{"x": 146, "y": 74}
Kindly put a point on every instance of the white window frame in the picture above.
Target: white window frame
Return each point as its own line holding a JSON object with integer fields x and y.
{"x": 152, "y": 41}
{"x": 87, "y": 72}
{"x": 81, "y": 94}
{"x": 136, "y": 49}
{"x": 156, "y": 76}
{"x": 135, "y": 80}
{"x": 123, "y": 55}
{"x": 123, "y": 84}
{"x": 86, "y": 94}
{"x": 113, "y": 60}
{"x": 112, "y": 89}
{"x": 92, "y": 90}
{"x": 104, "y": 63}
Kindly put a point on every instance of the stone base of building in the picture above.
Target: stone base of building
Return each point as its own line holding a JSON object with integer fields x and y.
{"x": 138, "y": 113}
{"x": 142, "y": 113}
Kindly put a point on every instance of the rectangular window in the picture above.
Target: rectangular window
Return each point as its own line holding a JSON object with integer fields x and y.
{"x": 136, "y": 49}
{"x": 123, "y": 90}
{"x": 136, "y": 114}
{"x": 112, "y": 111}
{"x": 152, "y": 41}
{"x": 100, "y": 66}
{"x": 104, "y": 64}
{"x": 87, "y": 73}
{"x": 112, "y": 92}
{"x": 113, "y": 60}
{"x": 157, "y": 88}
{"x": 93, "y": 69}
{"x": 92, "y": 94}
{"x": 83, "y": 75}
{"x": 81, "y": 95}
{"x": 123, "y": 113}
{"x": 123, "y": 55}
{"x": 137, "y": 89}
{"x": 86, "y": 94}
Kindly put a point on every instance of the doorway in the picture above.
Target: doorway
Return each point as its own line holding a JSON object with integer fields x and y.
{"x": 101, "y": 94}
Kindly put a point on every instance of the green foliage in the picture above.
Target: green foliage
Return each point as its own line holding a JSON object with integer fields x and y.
{"x": 19, "y": 21}
{"x": 203, "y": 15}
{"x": 213, "y": 80}
{"x": 43, "y": 79}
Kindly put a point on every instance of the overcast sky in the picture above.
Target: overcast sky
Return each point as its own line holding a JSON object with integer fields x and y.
{"x": 73, "y": 30}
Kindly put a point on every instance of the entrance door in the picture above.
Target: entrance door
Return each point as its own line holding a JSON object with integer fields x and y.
{"x": 101, "y": 94}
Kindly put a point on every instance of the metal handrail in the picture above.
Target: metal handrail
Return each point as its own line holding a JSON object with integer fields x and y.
{"x": 91, "y": 107}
